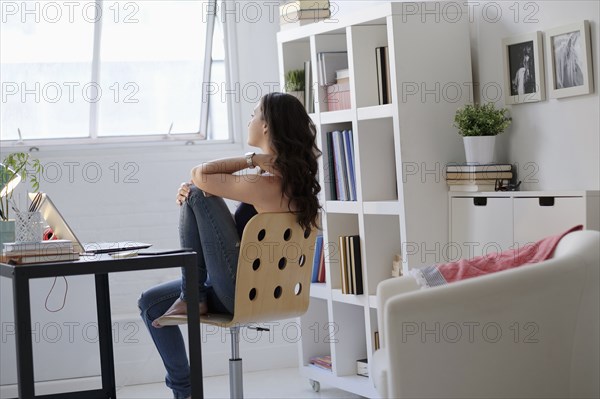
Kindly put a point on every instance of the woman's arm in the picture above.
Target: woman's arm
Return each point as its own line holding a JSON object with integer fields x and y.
{"x": 218, "y": 178}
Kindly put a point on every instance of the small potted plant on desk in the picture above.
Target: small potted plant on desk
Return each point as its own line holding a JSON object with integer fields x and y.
{"x": 294, "y": 83}
{"x": 479, "y": 125}
{"x": 15, "y": 167}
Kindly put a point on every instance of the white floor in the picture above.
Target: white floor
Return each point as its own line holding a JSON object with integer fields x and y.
{"x": 280, "y": 383}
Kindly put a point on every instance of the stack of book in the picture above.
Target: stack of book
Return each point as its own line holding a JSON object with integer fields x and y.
{"x": 341, "y": 174}
{"x": 328, "y": 65}
{"x": 302, "y": 12}
{"x": 463, "y": 177}
{"x": 318, "y": 273}
{"x": 322, "y": 362}
{"x": 362, "y": 367}
{"x": 22, "y": 253}
{"x": 350, "y": 265}
{"x": 338, "y": 94}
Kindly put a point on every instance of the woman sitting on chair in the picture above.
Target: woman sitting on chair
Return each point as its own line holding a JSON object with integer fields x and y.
{"x": 282, "y": 129}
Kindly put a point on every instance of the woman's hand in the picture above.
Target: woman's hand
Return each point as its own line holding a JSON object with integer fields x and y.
{"x": 183, "y": 193}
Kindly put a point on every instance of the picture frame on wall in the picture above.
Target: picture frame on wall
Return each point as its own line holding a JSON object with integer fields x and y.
{"x": 523, "y": 68}
{"x": 569, "y": 53}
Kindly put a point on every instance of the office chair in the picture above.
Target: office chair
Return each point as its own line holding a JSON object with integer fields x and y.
{"x": 272, "y": 282}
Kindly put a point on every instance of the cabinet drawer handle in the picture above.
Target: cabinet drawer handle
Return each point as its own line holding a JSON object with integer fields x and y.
{"x": 480, "y": 201}
{"x": 546, "y": 201}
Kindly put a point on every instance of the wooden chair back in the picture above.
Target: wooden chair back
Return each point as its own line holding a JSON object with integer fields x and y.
{"x": 274, "y": 271}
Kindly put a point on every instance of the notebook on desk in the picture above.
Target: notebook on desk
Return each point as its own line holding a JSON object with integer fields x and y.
{"x": 61, "y": 229}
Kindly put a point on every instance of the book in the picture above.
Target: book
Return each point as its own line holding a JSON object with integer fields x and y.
{"x": 383, "y": 75}
{"x": 350, "y": 270}
{"x": 321, "y": 361}
{"x": 362, "y": 367}
{"x": 330, "y": 172}
{"x": 478, "y": 181}
{"x": 344, "y": 266}
{"x": 317, "y": 259}
{"x": 329, "y": 62}
{"x": 492, "y": 167}
{"x": 342, "y": 74}
{"x": 309, "y": 103}
{"x": 321, "y": 276}
{"x": 356, "y": 264}
{"x": 339, "y": 164}
{"x": 40, "y": 258}
{"x": 472, "y": 187}
{"x": 37, "y": 247}
{"x": 338, "y": 97}
{"x": 301, "y": 5}
{"x": 484, "y": 174}
{"x": 349, "y": 158}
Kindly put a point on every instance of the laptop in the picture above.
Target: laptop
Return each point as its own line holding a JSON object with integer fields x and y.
{"x": 61, "y": 229}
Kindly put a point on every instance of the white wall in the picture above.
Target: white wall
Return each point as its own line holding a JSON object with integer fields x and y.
{"x": 555, "y": 142}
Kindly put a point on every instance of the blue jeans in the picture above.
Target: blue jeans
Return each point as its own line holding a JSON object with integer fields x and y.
{"x": 206, "y": 226}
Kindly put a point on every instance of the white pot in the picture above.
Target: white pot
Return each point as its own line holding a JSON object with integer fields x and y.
{"x": 479, "y": 150}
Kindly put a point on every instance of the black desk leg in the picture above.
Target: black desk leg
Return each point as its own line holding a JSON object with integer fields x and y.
{"x": 107, "y": 361}
{"x": 196, "y": 378}
{"x": 22, "y": 306}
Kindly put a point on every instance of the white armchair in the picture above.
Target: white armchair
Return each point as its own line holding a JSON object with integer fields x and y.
{"x": 529, "y": 332}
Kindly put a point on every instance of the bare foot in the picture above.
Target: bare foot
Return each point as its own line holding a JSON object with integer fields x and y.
{"x": 179, "y": 308}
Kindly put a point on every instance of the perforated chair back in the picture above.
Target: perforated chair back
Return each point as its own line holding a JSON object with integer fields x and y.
{"x": 274, "y": 271}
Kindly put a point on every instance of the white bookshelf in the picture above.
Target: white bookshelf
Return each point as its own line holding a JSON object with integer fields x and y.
{"x": 396, "y": 211}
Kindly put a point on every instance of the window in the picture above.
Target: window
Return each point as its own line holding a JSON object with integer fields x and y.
{"x": 107, "y": 68}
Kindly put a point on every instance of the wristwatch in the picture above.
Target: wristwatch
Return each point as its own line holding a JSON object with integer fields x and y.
{"x": 249, "y": 161}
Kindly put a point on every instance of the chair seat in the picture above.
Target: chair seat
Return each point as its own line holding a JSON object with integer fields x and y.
{"x": 217, "y": 319}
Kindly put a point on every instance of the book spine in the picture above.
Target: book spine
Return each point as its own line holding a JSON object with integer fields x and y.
{"x": 317, "y": 259}
{"x": 338, "y": 159}
{"x": 343, "y": 265}
{"x": 331, "y": 166}
{"x": 357, "y": 264}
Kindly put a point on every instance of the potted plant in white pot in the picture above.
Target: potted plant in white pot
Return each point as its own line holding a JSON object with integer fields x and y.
{"x": 294, "y": 83}
{"x": 14, "y": 168}
{"x": 479, "y": 125}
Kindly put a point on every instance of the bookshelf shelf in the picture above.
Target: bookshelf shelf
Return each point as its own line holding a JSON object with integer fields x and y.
{"x": 381, "y": 207}
{"x": 345, "y": 115}
{"x": 396, "y": 137}
{"x": 337, "y": 296}
{"x": 352, "y": 207}
{"x": 319, "y": 290}
{"x": 375, "y": 112}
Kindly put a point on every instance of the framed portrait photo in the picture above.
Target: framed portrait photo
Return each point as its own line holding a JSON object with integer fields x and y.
{"x": 570, "y": 57}
{"x": 523, "y": 68}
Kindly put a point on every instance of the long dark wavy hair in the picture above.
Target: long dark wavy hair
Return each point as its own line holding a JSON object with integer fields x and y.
{"x": 293, "y": 137}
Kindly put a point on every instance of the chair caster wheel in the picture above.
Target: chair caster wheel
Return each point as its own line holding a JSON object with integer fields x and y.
{"x": 315, "y": 385}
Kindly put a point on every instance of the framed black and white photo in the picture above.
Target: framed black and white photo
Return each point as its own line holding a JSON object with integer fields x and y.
{"x": 570, "y": 58}
{"x": 523, "y": 68}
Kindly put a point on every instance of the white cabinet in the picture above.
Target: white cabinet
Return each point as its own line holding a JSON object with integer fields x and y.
{"x": 401, "y": 204}
{"x": 537, "y": 217}
{"x": 479, "y": 225}
{"x": 482, "y": 223}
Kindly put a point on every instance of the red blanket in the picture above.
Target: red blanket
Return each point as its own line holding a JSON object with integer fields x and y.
{"x": 467, "y": 268}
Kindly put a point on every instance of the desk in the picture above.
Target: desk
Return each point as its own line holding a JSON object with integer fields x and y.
{"x": 100, "y": 266}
